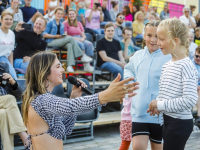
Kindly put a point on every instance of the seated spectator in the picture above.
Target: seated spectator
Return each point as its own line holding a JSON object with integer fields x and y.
{"x": 196, "y": 63}
{"x": 83, "y": 3}
{"x": 197, "y": 36}
{"x": 29, "y": 13}
{"x": 11, "y": 119}
{"x": 188, "y": 20}
{"x": 7, "y": 41}
{"x": 28, "y": 42}
{"x": 126, "y": 44}
{"x": 107, "y": 18}
{"x": 128, "y": 16}
{"x": 53, "y": 4}
{"x": 93, "y": 18}
{"x": 3, "y": 4}
{"x": 109, "y": 53}
{"x": 192, "y": 9}
{"x": 135, "y": 9}
{"x": 119, "y": 26}
{"x": 197, "y": 19}
{"x": 151, "y": 16}
{"x": 80, "y": 9}
{"x": 75, "y": 29}
{"x": 165, "y": 13}
{"x": 142, "y": 9}
{"x": 72, "y": 4}
{"x": 138, "y": 25}
{"x": 114, "y": 11}
{"x": 192, "y": 45}
{"x": 54, "y": 34}
{"x": 157, "y": 14}
{"x": 17, "y": 13}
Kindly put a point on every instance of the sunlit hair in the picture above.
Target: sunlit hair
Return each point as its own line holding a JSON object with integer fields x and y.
{"x": 75, "y": 20}
{"x": 59, "y": 8}
{"x": 41, "y": 17}
{"x": 152, "y": 13}
{"x": 108, "y": 26}
{"x": 153, "y": 23}
{"x": 137, "y": 14}
{"x": 197, "y": 50}
{"x": 176, "y": 29}
{"x": 38, "y": 70}
{"x": 6, "y": 13}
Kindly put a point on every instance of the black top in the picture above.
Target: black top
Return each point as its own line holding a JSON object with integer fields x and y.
{"x": 58, "y": 31}
{"x": 197, "y": 40}
{"x": 106, "y": 15}
{"x": 198, "y": 23}
{"x": 4, "y": 3}
{"x": 28, "y": 43}
{"x": 111, "y": 49}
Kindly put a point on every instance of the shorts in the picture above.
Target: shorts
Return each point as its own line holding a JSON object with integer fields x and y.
{"x": 154, "y": 131}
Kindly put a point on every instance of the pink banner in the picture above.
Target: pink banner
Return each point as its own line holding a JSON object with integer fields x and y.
{"x": 175, "y": 10}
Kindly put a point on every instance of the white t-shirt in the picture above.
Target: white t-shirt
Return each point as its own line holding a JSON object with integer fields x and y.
{"x": 192, "y": 49}
{"x": 17, "y": 16}
{"x": 186, "y": 21}
{"x": 7, "y": 42}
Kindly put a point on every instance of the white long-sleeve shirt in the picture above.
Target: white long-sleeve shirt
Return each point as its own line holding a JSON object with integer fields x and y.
{"x": 178, "y": 89}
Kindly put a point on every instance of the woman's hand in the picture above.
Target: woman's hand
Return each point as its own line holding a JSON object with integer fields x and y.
{"x": 58, "y": 36}
{"x": 76, "y": 91}
{"x": 117, "y": 90}
{"x": 154, "y": 111}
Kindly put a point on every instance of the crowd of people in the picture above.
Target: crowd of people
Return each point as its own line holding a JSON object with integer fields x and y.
{"x": 151, "y": 65}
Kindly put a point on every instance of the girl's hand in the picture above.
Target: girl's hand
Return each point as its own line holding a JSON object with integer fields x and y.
{"x": 76, "y": 91}
{"x": 152, "y": 105}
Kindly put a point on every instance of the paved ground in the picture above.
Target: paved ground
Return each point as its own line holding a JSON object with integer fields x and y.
{"x": 107, "y": 137}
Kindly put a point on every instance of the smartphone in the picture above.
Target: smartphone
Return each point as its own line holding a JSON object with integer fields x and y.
{"x": 63, "y": 34}
{"x": 27, "y": 26}
{"x": 3, "y": 81}
{"x": 97, "y": 4}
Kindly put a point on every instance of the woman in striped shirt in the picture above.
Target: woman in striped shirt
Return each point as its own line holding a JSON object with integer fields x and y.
{"x": 177, "y": 85}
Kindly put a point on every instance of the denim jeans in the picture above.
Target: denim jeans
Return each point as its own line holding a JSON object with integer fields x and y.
{"x": 11, "y": 68}
{"x": 114, "y": 68}
{"x": 86, "y": 46}
{"x": 18, "y": 63}
{"x": 139, "y": 36}
{"x": 104, "y": 23}
{"x": 129, "y": 24}
{"x": 98, "y": 31}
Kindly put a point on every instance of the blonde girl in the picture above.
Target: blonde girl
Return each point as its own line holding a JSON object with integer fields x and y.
{"x": 145, "y": 66}
{"x": 177, "y": 85}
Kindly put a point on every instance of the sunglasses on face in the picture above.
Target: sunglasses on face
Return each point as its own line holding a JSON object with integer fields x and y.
{"x": 121, "y": 17}
{"x": 187, "y": 11}
{"x": 197, "y": 56}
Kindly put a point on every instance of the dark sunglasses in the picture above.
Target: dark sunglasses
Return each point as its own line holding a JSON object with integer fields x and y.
{"x": 187, "y": 11}
{"x": 121, "y": 17}
{"x": 197, "y": 56}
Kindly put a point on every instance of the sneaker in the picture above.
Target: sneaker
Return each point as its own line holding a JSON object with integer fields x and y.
{"x": 197, "y": 121}
{"x": 86, "y": 58}
{"x": 70, "y": 69}
{"x": 88, "y": 68}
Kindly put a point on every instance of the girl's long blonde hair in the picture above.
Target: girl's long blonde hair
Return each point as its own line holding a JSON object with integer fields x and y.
{"x": 36, "y": 76}
{"x": 176, "y": 29}
{"x": 75, "y": 20}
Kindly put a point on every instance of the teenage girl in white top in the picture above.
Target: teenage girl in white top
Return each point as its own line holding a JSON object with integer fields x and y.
{"x": 7, "y": 41}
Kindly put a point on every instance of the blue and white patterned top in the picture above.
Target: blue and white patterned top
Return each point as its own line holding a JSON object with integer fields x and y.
{"x": 60, "y": 113}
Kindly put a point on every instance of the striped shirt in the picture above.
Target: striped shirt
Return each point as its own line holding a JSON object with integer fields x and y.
{"x": 178, "y": 89}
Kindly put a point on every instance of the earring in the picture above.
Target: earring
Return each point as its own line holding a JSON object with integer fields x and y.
{"x": 48, "y": 84}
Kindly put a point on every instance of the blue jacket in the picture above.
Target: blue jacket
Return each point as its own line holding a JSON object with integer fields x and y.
{"x": 146, "y": 68}
{"x": 52, "y": 29}
{"x": 198, "y": 69}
